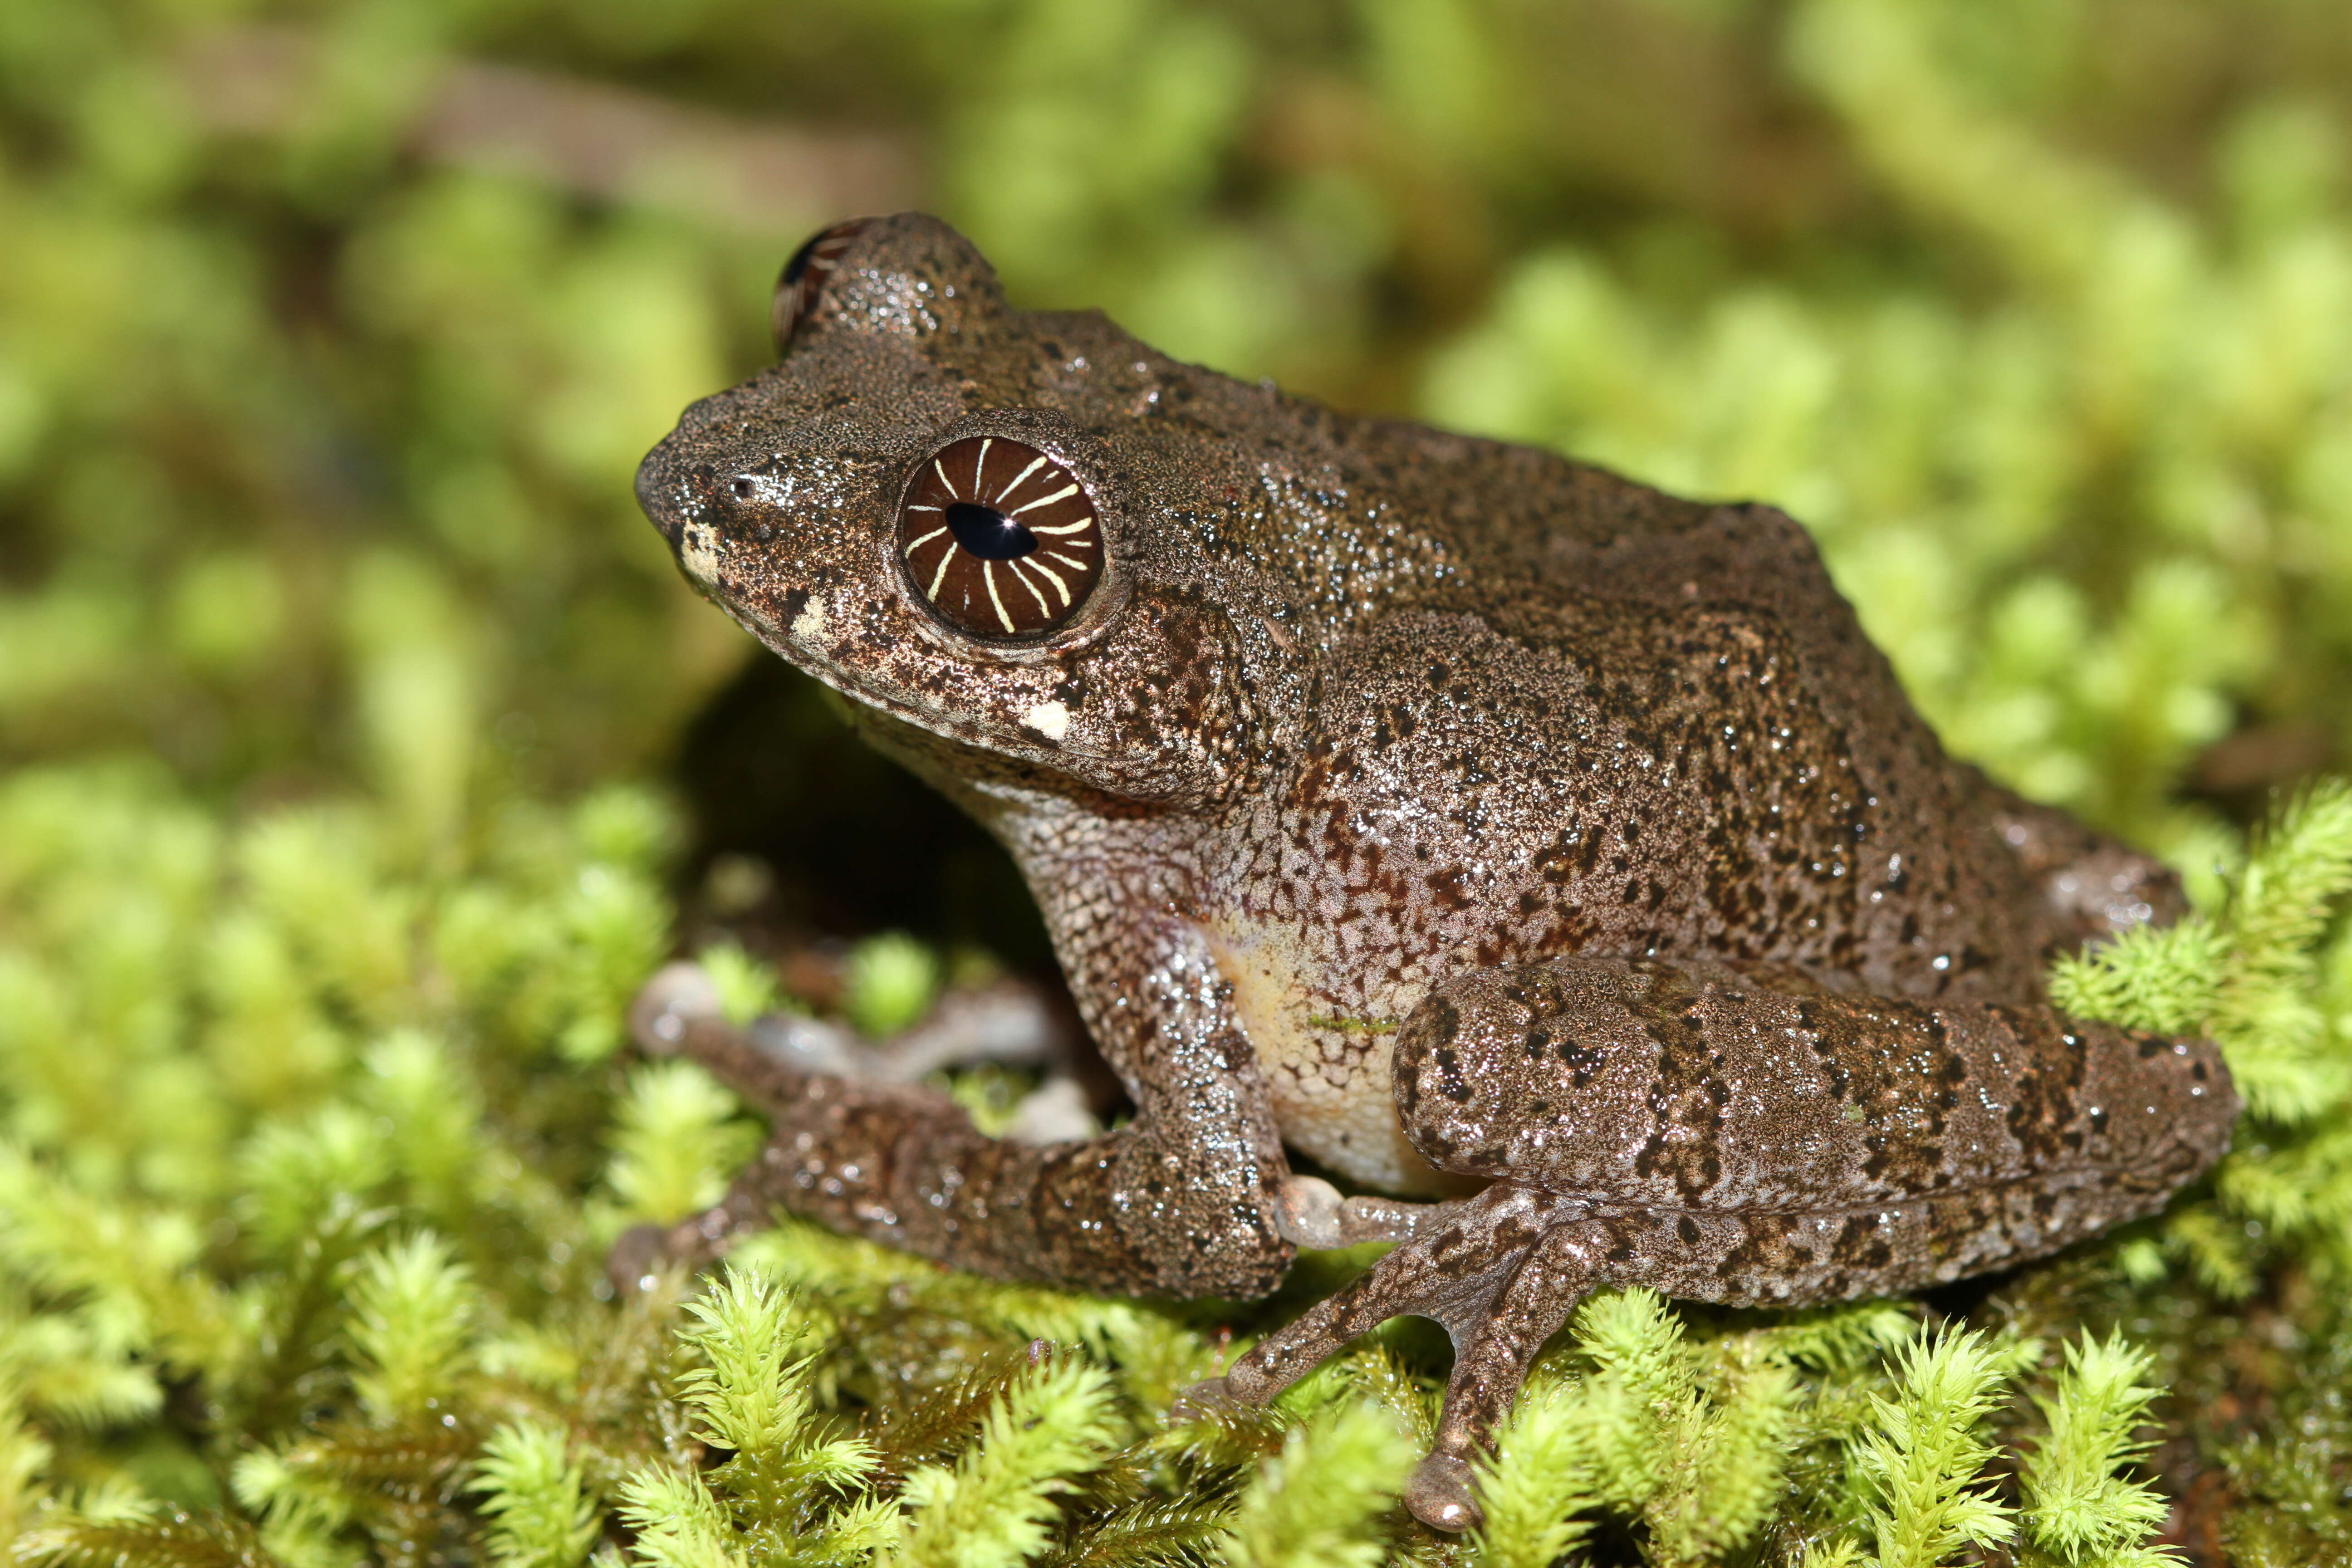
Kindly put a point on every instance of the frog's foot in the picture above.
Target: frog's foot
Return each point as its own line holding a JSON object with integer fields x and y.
{"x": 1500, "y": 1275}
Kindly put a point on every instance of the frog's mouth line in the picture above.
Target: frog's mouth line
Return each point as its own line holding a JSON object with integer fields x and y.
{"x": 792, "y": 647}
{"x": 794, "y": 650}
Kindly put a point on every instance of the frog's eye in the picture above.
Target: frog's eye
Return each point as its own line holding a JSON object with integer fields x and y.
{"x": 803, "y": 279}
{"x": 999, "y": 539}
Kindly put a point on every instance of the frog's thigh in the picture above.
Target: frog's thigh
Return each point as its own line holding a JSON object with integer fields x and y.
{"x": 1762, "y": 1142}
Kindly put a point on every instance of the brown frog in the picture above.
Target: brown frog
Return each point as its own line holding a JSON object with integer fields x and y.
{"x": 1478, "y": 825}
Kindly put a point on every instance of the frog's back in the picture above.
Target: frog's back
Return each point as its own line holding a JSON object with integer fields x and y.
{"x": 1668, "y": 705}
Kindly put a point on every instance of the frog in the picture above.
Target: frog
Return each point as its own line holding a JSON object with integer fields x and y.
{"x": 1548, "y": 861}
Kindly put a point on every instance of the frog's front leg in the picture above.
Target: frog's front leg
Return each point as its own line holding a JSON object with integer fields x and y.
{"x": 1186, "y": 1199}
{"x": 1688, "y": 1128}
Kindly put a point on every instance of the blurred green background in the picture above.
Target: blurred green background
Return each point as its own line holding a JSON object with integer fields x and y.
{"x": 329, "y": 335}
{"x": 361, "y": 750}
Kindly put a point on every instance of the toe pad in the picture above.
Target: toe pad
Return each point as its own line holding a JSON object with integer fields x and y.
{"x": 1444, "y": 1494}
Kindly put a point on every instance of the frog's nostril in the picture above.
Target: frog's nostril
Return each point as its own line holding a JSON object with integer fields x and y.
{"x": 744, "y": 487}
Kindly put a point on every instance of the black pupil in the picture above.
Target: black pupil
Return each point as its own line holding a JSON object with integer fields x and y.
{"x": 988, "y": 532}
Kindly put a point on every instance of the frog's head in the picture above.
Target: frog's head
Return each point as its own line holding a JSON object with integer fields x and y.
{"x": 979, "y": 522}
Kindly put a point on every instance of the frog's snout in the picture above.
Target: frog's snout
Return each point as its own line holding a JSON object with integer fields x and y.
{"x": 661, "y": 496}
{"x": 686, "y": 495}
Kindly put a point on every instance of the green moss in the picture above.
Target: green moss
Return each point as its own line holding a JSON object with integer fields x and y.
{"x": 332, "y": 652}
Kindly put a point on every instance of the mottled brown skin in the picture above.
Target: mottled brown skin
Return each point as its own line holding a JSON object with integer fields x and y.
{"x": 1375, "y": 736}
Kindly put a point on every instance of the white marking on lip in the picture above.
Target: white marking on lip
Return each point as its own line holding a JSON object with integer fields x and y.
{"x": 1050, "y": 719}
{"x": 809, "y": 624}
{"x": 697, "y": 552}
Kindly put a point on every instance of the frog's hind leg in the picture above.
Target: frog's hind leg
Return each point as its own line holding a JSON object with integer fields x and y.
{"x": 1500, "y": 1277}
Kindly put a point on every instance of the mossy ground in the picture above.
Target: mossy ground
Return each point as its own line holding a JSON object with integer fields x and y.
{"x": 340, "y": 686}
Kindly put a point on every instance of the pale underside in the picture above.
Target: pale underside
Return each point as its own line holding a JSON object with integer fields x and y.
{"x": 1326, "y": 1072}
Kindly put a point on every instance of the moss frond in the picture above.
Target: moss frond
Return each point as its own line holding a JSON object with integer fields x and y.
{"x": 1228, "y": 1436}
{"x": 2263, "y": 976}
{"x": 1692, "y": 1441}
{"x": 71, "y": 1368}
{"x": 1538, "y": 1482}
{"x": 1153, "y": 1534}
{"x": 889, "y": 983}
{"x": 414, "y": 1309}
{"x": 1843, "y": 1553}
{"x": 127, "y": 1262}
{"x": 1315, "y": 1503}
{"x": 299, "y": 1176}
{"x": 1376, "y": 1372}
{"x": 679, "y": 1135}
{"x": 412, "y": 1083}
{"x": 2299, "y": 867}
{"x": 179, "y": 1539}
{"x": 2249, "y": 974}
{"x": 929, "y": 1425}
{"x": 1730, "y": 1452}
{"x": 2283, "y": 1049}
{"x": 1927, "y": 1448}
{"x": 316, "y": 874}
{"x": 1644, "y": 1375}
{"x": 2167, "y": 979}
{"x": 678, "y": 1523}
{"x": 2076, "y": 1508}
{"x": 610, "y": 927}
{"x": 536, "y": 1497}
{"x": 752, "y": 1398}
{"x": 1840, "y": 1338}
{"x": 421, "y": 1458}
{"x": 748, "y": 988}
{"x": 992, "y": 1508}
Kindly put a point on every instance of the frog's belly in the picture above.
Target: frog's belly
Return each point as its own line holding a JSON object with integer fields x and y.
{"x": 1327, "y": 1075}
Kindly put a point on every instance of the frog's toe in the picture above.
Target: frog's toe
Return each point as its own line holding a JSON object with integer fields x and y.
{"x": 636, "y": 1259}
{"x": 1492, "y": 1353}
{"x": 1310, "y": 1214}
{"x": 679, "y": 996}
{"x": 1444, "y": 1494}
{"x": 1500, "y": 1276}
